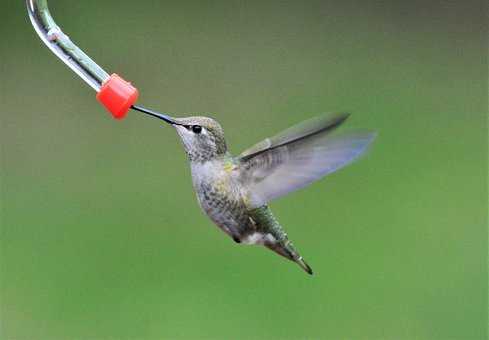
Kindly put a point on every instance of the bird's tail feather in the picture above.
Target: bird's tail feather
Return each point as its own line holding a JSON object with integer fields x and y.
{"x": 303, "y": 264}
{"x": 288, "y": 251}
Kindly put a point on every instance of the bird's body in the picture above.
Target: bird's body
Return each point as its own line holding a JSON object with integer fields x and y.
{"x": 218, "y": 184}
{"x": 234, "y": 191}
{"x": 220, "y": 195}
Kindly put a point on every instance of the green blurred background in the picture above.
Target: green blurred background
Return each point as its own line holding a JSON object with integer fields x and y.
{"x": 101, "y": 234}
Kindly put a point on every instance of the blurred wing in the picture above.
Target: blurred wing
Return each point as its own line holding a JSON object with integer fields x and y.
{"x": 321, "y": 124}
{"x": 271, "y": 172}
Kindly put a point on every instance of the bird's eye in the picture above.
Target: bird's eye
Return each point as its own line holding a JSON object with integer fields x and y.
{"x": 197, "y": 129}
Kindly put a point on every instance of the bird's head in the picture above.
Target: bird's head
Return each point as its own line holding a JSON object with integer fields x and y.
{"x": 202, "y": 137}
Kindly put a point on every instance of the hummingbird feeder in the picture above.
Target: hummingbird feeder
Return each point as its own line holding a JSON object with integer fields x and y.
{"x": 113, "y": 92}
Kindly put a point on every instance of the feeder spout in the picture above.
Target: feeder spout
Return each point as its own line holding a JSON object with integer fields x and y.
{"x": 117, "y": 95}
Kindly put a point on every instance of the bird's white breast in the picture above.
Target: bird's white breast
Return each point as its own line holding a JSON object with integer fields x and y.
{"x": 211, "y": 172}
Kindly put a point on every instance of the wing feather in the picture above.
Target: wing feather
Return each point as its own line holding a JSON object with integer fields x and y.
{"x": 289, "y": 163}
{"x": 321, "y": 124}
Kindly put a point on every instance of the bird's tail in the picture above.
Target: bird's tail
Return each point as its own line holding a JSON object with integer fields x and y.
{"x": 300, "y": 261}
{"x": 288, "y": 251}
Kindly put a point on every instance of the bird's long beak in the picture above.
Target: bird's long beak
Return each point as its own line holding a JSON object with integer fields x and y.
{"x": 162, "y": 116}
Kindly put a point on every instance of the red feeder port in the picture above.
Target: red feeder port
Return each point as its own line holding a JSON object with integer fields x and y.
{"x": 117, "y": 95}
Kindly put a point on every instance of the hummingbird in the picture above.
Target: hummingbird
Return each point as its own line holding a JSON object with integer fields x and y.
{"x": 234, "y": 191}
